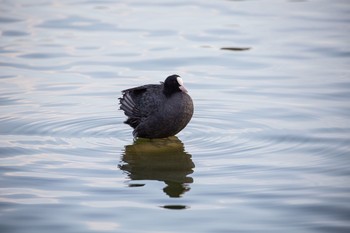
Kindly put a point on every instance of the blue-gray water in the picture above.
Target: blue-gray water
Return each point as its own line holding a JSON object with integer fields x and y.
{"x": 267, "y": 150}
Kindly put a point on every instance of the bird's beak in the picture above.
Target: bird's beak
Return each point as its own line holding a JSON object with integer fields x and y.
{"x": 183, "y": 89}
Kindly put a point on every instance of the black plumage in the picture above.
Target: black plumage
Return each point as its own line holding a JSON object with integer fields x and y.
{"x": 157, "y": 110}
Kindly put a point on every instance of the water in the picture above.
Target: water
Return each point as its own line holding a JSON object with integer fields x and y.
{"x": 266, "y": 151}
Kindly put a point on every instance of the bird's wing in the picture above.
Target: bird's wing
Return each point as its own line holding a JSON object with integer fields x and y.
{"x": 130, "y": 104}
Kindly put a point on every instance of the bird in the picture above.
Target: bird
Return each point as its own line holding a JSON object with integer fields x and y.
{"x": 157, "y": 110}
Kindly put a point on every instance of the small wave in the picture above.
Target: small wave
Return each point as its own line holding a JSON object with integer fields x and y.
{"x": 91, "y": 126}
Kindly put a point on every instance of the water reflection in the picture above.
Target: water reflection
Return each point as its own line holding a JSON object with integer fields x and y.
{"x": 159, "y": 159}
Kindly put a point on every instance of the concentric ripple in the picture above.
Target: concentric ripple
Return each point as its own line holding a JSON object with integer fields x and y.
{"x": 92, "y": 126}
{"x": 220, "y": 132}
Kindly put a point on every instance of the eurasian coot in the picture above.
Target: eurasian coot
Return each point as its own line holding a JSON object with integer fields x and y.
{"x": 157, "y": 110}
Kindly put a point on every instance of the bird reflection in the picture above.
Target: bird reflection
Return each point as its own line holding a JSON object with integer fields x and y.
{"x": 159, "y": 159}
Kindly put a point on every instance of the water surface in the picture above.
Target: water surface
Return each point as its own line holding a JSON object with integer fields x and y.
{"x": 267, "y": 149}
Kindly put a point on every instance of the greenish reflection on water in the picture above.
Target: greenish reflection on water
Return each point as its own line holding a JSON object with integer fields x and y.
{"x": 159, "y": 159}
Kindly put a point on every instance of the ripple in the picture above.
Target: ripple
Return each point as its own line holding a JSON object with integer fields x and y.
{"x": 215, "y": 133}
{"x": 92, "y": 126}
{"x": 236, "y": 48}
{"x": 175, "y": 207}
{"x": 78, "y": 23}
{"x": 14, "y": 33}
{"x": 44, "y": 55}
{"x": 9, "y": 20}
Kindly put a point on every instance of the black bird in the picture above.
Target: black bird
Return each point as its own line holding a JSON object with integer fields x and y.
{"x": 157, "y": 110}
